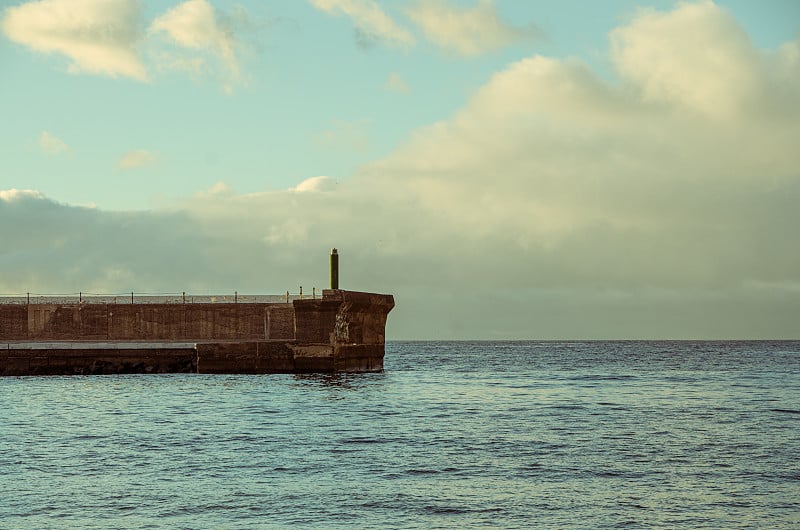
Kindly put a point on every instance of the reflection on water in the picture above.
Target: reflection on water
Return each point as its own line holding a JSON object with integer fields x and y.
{"x": 325, "y": 380}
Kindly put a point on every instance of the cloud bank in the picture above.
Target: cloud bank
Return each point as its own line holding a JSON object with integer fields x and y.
{"x": 555, "y": 204}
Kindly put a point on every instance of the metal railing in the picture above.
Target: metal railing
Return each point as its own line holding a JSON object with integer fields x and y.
{"x": 154, "y": 298}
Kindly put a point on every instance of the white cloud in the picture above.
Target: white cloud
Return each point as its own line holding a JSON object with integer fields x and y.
{"x": 315, "y": 184}
{"x": 195, "y": 25}
{"x": 137, "y": 159}
{"x": 104, "y": 37}
{"x": 196, "y": 67}
{"x": 467, "y": 31}
{"x": 15, "y": 195}
{"x": 696, "y": 56}
{"x": 98, "y": 36}
{"x": 52, "y": 144}
{"x": 555, "y": 204}
{"x": 369, "y": 19}
{"x": 218, "y": 189}
{"x": 396, "y": 83}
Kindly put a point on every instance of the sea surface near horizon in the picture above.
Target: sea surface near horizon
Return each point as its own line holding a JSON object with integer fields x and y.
{"x": 451, "y": 435}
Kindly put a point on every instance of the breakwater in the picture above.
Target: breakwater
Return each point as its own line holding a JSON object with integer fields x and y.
{"x": 341, "y": 331}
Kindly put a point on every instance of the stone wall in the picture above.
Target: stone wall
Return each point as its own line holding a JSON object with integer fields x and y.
{"x": 224, "y": 321}
{"x": 13, "y": 322}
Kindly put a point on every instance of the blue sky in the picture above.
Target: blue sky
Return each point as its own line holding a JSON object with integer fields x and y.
{"x": 460, "y": 152}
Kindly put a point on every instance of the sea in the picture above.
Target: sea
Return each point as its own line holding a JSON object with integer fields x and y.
{"x": 451, "y": 435}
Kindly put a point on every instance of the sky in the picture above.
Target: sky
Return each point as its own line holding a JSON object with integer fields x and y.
{"x": 507, "y": 169}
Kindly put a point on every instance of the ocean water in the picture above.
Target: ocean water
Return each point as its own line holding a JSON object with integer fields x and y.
{"x": 452, "y": 435}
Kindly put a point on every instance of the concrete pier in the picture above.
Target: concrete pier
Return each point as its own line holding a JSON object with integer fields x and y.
{"x": 344, "y": 331}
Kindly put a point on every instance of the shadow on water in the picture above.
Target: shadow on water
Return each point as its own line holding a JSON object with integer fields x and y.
{"x": 324, "y": 380}
{"x": 342, "y": 381}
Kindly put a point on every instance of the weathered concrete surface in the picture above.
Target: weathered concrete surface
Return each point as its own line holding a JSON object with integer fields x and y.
{"x": 313, "y": 358}
{"x": 13, "y": 322}
{"x": 343, "y": 331}
{"x": 88, "y": 359}
{"x": 229, "y": 321}
{"x": 358, "y": 358}
{"x": 260, "y": 357}
{"x": 353, "y": 323}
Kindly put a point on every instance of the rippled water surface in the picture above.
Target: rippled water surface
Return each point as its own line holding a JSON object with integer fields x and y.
{"x": 482, "y": 434}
